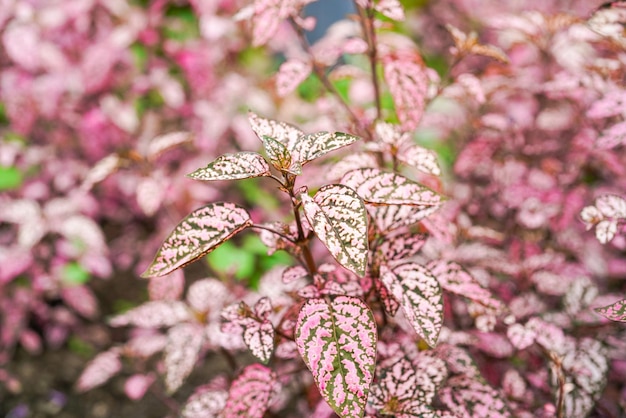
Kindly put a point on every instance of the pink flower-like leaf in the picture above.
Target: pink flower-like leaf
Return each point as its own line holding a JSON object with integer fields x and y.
{"x": 337, "y": 340}
{"x": 390, "y": 217}
{"x": 453, "y": 278}
{"x": 103, "y": 169}
{"x": 164, "y": 142}
{"x": 605, "y": 215}
{"x": 181, "y": 352}
{"x": 290, "y": 74}
{"x": 390, "y": 304}
{"x": 205, "y": 402}
{"x": 197, "y": 235}
{"x": 241, "y": 165}
{"x": 251, "y": 393}
{"x": 420, "y": 296}
{"x": 339, "y": 220}
{"x": 401, "y": 246}
{"x": 520, "y": 336}
{"x": 312, "y": 146}
{"x": 615, "y": 311}
{"x": 283, "y": 132}
{"x": 378, "y": 187}
{"x": 137, "y": 385}
{"x": 408, "y": 83}
{"x": 99, "y": 370}
{"x": 259, "y": 337}
{"x": 390, "y": 8}
{"x": 263, "y": 308}
{"x": 420, "y": 158}
{"x": 278, "y": 154}
{"x": 155, "y": 314}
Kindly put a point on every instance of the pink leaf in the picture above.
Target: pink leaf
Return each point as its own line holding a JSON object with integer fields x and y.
{"x": 197, "y": 235}
{"x": 162, "y": 143}
{"x": 279, "y": 155}
{"x": 454, "y": 279}
{"x": 391, "y": 8}
{"x": 268, "y": 14}
{"x": 378, "y": 187}
{"x": 284, "y": 133}
{"x": 520, "y": 336}
{"x": 103, "y": 169}
{"x": 263, "y": 308}
{"x": 137, "y": 385}
{"x": 613, "y": 136}
{"x": 351, "y": 162}
{"x": 154, "y": 314}
{"x": 420, "y": 158}
{"x": 150, "y": 194}
{"x": 419, "y": 295}
{"x": 251, "y": 393}
{"x": 339, "y": 220}
{"x": 207, "y": 295}
{"x": 408, "y": 83}
{"x": 337, "y": 340}
{"x": 205, "y": 402}
{"x": 398, "y": 247}
{"x": 99, "y": 370}
{"x": 82, "y": 300}
{"x": 145, "y": 345}
{"x": 473, "y": 398}
{"x": 615, "y": 311}
{"x": 390, "y": 304}
{"x": 259, "y": 337}
{"x": 390, "y": 217}
{"x": 241, "y": 165}
{"x": 168, "y": 287}
{"x": 290, "y": 74}
{"x": 181, "y": 352}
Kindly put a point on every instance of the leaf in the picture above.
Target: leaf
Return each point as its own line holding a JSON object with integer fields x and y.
{"x": 290, "y": 74}
{"x": 391, "y": 9}
{"x": 155, "y": 314}
{"x": 471, "y": 397}
{"x": 351, "y": 162}
{"x": 207, "y": 295}
{"x": 420, "y": 158}
{"x": 615, "y": 311}
{"x": 241, "y": 165}
{"x": 611, "y": 206}
{"x": 251, "y": 393}
{"x": 283, "y": 132}
{"x": 337, "y": 340}
{"x": 606, "y": 230}
{"x": 378, "y": 187}
{"x": 408, "y": 83}
{"x": 419, "y": 295}
{"x": 150, "y": 193}
{"x": 312, "y": 146}
{"x": 181, "y": 352}
{"x": 259, "y": 337}
{"x": 453, "y": 278}
{"x": 339, "y": 220}
{"x": 99, "y": 370}
{"x": 205, "y": 402}
{"x": 99, "y": 172}
{"x": 197, "y": 235}
{"x": 468, "y": 44}
{"x": 398, "y": 247}
{"x": 162, "y": 143}
{"x": 390, "y": 304}
{"x": 390, "y": 217}
{"x": 277, "y": 152}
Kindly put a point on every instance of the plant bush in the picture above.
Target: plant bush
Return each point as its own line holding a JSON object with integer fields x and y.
{"x": 443, "y": 214}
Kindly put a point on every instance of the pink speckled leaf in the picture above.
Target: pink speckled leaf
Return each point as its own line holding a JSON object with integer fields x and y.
{"x": 154, "y": 314}
{"x": 337, "y": 340}
{"x": 103, "y": 169}
{"x": 290, "y": 74}
{"x": 283, "y": 132}
{"x": 408, "y": 83}
{"x": 420, "y": 158}
{"x": 164, "y": 142}
{"x": 378, "y": 187}
{"x": 339, "y": 220}
{"x": 259, "y": 337}
{"x": 168, "y": 287}
{"x": 420, "y": 296}
{"x": 390, "y": 304}
{"x": 453, "y": 278}
{"x": 606, "y": 230}
{"x": 241, "y": 165}
{"x": 613, "y": 136}
{"x": 99, "y": 370}
{"x": 181, "y": 352}
{"x": 263, "y": 308}
{"x": 277, "y": 153}
{"x": 207, "y": 295}
{"x": 351, "y": 162}
{"x": 197, "y": 235}
{"x": 312, "y": 146}
{"x": 471, "y": 397}
{"x": 615, "y": 311}
{"x": 82, "y": 300}
{"x": 205, "y": 402}
{"x": 251, "y": 393}
{"x": 137, "y": 385}
{"x": 391, "y": 8}
{"x": 398, "y": 247}
{"x": 611, "y": 206}
{"x": 150, "y": 194}
{"x": 520, "y": 336}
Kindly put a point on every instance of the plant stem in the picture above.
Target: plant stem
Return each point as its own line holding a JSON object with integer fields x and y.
{"x": 273, "y": 231}
{"x": 372, "y": 51}
{"x": 560, "y": 375}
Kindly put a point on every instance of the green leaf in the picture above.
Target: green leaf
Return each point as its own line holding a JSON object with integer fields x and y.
{"x": 11, "y": 178}
{"x": 277, "y": 153}
{"x": 241, "y": 165}
{"x": 74, "y": 274}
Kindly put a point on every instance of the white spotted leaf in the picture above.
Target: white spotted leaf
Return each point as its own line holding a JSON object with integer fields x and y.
{"x": 470, "y": 396}
{"x": 420, "y": 296}
{"x": 378, "y": 187}
{"x": 615, "y": 311}
{"x": 197, "y": 235}
{"x": 184, "y": 342}
{"x": 277, "y": 152}
{"x": 241, "y": 165}
{"x": 99, "y": 370}
{"x": 154, "y": 314}
{"x": 398, "y": 247}
{"x": 390, "y": 217}
{"x": 337, "y": 340}
{"x": 339, "y": 220}
{"x": 290, "y": 74}
{"x": 259, "y": 337}
{"x": 205, "y": 402}
{"x": 312, "y": 146}
{"x": 283, "y": 132}
{"x": 251, "y": 393}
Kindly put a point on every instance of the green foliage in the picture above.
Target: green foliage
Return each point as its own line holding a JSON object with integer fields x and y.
{"x": 74, "y": 274}
{"x": 11, "y": 178}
